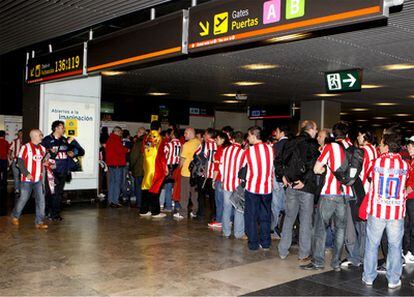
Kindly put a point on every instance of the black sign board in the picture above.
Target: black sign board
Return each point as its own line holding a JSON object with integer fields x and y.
{"x": 63, "y": 63}
{"x": 224, "y": 23}
{"x": 164, "y": 37}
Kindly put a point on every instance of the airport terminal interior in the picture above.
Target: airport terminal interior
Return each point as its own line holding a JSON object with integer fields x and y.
{"x": 276, "y": 78}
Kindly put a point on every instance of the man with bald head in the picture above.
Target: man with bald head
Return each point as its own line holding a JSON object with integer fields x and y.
{"x": 31, "y": 161}
{"x": 187, "y": 191}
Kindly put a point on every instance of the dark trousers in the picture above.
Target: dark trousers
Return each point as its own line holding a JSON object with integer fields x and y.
{"x": 3, "y": 187}
{"x": 257, "y": 211}
{"x": 150, "y": 202}
{"x": 54, "y": 200}
{"x": 203, "y": 192}
{"x": 409, "y": 228}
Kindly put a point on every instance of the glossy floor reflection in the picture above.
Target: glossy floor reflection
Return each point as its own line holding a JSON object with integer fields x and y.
{"x": 98, "y": 251}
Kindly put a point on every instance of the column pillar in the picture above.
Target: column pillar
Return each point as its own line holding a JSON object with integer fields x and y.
{"x": 324, "y": 113}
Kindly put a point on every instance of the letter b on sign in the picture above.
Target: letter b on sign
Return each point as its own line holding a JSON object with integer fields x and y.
{"x": 295, "y": 9}
{"x": 271, "y": 11}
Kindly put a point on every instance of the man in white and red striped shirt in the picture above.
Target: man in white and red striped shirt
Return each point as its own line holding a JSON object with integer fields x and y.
{"x": 355, "y": 230}
{"x": 258, "y": 158}
{"x": 230, "y": 164}
{"x": 31, "y": 162}
{"x": 14, "y": 153}
{"x": 209, "y": 148}
{"x": 386, "y": 210}
{"x": 332, "y": 201}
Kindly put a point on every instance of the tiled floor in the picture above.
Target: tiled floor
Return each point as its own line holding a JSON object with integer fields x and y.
{"x": 98, "y": 251}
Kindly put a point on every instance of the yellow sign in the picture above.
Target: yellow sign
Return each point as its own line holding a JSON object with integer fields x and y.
{"x": 154, "y": 117}
{"x": 71, "y": 128}
{"x": 205, "y": 28}
{"x": 221, "y": 23}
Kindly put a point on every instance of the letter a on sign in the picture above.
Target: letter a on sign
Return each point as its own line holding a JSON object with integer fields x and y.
{"x": 271, "y": 11}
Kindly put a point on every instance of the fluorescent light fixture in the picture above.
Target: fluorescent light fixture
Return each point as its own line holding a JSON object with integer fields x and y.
{"x": 158, "y": 94}
{"x": 112, "y": 73}
{"x": 398, "y": 67}
{"x": 231, "y": 101}
{"x": 248, "y": 83}
{"x": 360, "y": 109}
{"x": 371, "y": 86}
{"x": 380, "y": 118}
{"x": 327, "y": 95}
{"x": 289, "y": 37}
{"x": 362, "y": 120}
{"x": 402, "y": 115}
{"x": 259, "y": 66}
{"x": 231, "y": 95}
{"x": 386, "y": 104}
{"x": 344, "y": 113}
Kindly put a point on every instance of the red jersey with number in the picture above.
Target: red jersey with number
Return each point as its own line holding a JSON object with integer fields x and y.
{"x": 259, "y": 161}
{"x": 387, "y": 194}
{"x": 332, "y": 156}
{"x": 210, "y": 148}
{"x": 32, "y": 155}
{"x": 230, "y": 164}
{"x": 172, "y": 152}
{"x": 370, "y": 154}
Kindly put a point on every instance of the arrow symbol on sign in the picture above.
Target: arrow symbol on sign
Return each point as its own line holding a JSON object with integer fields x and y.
{"x": 351, "y": 80}
{"x": 205, "y": 28}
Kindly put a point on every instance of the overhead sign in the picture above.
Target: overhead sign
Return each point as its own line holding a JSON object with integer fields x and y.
{"x": 56, "y": 65}
{"x": 224, "y": 23}
{"x": 343, "y": 81}
{"x": 164, "y": 37}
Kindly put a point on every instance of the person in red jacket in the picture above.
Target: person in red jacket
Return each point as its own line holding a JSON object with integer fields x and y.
{"x": 4, "y": 150}
{"x": 408, "y": 245}
{"x": 116, "y": 161}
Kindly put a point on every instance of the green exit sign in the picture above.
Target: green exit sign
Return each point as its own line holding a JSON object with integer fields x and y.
{"x": 343, "y": 81}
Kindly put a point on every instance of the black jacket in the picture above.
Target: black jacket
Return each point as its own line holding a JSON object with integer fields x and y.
{"x": 278, "y": 149}
{"x": 309, "y": 153}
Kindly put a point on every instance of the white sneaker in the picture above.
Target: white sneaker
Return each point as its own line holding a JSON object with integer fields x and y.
{"x": 409, "y": 258}
{"x": 193, "y": 216}
{"x": 394, "y": 286}
{"x": 369, "y": 284}
{"x": 178, "y": 216}
{"x": 148, "y": 214}
{"x": 159, "y": 216}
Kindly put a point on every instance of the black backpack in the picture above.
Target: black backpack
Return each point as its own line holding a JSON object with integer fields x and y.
{"x": 294, "y": 167}
{"x": 351, "y": 167}
{"x": 198, "y": 166}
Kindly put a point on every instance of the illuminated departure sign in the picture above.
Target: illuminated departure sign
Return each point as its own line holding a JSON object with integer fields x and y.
{"x": 162, "y": 38}
{"x": 64, "y": 63}
{"x": 224, "y": 23}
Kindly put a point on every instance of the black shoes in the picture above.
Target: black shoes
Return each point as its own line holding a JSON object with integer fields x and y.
{"x": 311, "y": 266}
{"x": 115, "y": 205}
{"x": 57, "y": 219}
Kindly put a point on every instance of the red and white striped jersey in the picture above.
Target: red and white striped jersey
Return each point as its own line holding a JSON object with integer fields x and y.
{"x": 209, "y": 151}
{"x": 370, "y": 154}
{"x": 260, "y": 172}
{"x": 230, "y": 164}
{"x": 333, "y": 155}
{"x": 172, "y": 152}
{"x": 387, "y": 194}
{"x": 32, "y": 156}
{"x": 15, "y": 147}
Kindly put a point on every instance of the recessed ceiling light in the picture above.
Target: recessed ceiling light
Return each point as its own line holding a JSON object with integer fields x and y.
{"x": 402, "y": 115}
{"x": 327, "y": 95}
{"x": 158, "y": 94}
{"x": 344, "y": 113}
{"x": 289, "y": 37}
{"x": 398, "y": 67}
{"x": 232, "y": 95}
{"x": 112, "y": 73}
{"x": 248, "y": 83}
{"x": 259, "y": 66}
{"x": 371, "y": 86}
{"x": 360, "y": 109}
{"x": 380, "y": 118}
{"x": 411, "y": 96}
{"x": 386, "y": 104}
{"x": 362, "y": 120}
{"x": 410, "y": 122}
{"x": 376, "y": 125}
{"x": 231, "y": 101}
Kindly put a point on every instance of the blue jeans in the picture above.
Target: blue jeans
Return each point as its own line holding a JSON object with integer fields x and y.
{"x": 115, "y": 183}
{"x": 218, "y": 196}
{"x": 162, "y": 197}
{"x": 395, "y": 232}
{"x": 26, "y": 189}
{"x": 166, "y": 196}
{"x": 228, "y": 211}
{"x": 278, "y": 202}
{"x": 16, "y": 176}
{"x": 138, "y": 190}
{"x": 257, "y": 211}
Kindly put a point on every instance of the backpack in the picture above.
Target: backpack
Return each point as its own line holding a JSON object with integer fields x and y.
{"x": 294, "y": 167}
{"x": 198, "y": 166}
{"x": 351, "y": 167}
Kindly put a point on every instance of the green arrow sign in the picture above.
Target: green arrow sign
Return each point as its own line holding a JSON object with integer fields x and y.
{"x": 343, "y": 81}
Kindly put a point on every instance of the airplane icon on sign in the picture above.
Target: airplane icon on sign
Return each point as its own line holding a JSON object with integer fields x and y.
{"x": 221, "y": 24}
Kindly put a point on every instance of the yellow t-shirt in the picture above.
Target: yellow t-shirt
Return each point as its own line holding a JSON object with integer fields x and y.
{"x": 188, "y": 151}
